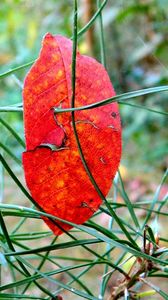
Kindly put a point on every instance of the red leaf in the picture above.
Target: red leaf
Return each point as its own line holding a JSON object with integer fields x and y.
{"x": 56, "y": 178}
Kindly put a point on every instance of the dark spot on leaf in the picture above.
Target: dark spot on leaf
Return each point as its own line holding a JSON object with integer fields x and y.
{"x": 113, "y": 114}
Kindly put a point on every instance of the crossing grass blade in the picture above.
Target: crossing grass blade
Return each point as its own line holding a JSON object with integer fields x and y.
{"x": 7, "y": 296}
{"x": 13, "y": 132}
{"x": 122, "y": 97}
{"x": 128, "y": 203}
{"x": 164, "y": 113}
{"x": 10, "y": 153}
{"x": 155, "y": 198}
{"x": 21, "y": 264}
{"x": 95, "y": 234}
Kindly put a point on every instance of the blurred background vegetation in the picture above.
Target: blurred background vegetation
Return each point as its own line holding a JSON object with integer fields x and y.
{"x": 136, "y": 39}
{"x": 136, "y": 51}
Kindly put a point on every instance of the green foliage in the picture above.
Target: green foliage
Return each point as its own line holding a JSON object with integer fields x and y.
{"x": 121, "y": 239}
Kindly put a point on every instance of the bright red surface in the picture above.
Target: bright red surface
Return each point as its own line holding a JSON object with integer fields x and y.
{"x": 56, "y": 178}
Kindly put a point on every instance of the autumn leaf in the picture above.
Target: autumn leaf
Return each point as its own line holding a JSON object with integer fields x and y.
{"x": 53, "y": 169}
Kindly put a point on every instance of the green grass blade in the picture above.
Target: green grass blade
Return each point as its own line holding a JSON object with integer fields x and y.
{"x": 113, "y": 214}
{"x": 154, "y": 287}
{"x": 91, "y": 266}
{"x": 10, "y": 153}
{"x": 118, "y": 98}
{"x": 128, "y": 203}
{"x": 11, "y": 247}
{"x": 13, "y": 132}
{"x": 94, "y": 233}
{"x": 44, "y": 258}
{"x": 144, "y": 107}
{"x": 105, "y": 279}
{"x": 56, "y": 247}
{"x": 35, "y": 277}
{"x": 101, "y": 36}
{"x": 6, "y": 296}
{"x": 155, "y": 198}
{"x": 83, "y": 272}
{"x": 18, "y": 225}
{"x": 121, "y": 97}
{"x": 107, "y": 233}
{"x": 16, "y": 180}
{"x": 92, "y": 20}
{"x": 40, "y": 265}
{"x": 11, "y": 109}
{"x": 9, "y": 72}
